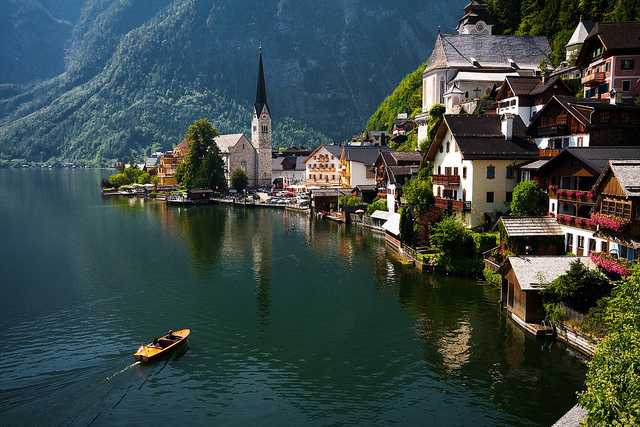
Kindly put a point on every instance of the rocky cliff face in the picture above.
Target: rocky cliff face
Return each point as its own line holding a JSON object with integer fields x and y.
{"x": 139, "y": 72}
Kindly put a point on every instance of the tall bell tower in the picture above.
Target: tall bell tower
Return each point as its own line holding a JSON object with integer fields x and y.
{"x": 261, "y": 131}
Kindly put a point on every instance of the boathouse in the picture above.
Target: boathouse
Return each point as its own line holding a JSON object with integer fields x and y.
{"x": 522, "y": 279}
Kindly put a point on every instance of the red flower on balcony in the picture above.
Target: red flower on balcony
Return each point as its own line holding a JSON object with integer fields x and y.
{"x": 569, "y": 193}
{"x": 610, "y": 222}
{"x": 609, "y": 264}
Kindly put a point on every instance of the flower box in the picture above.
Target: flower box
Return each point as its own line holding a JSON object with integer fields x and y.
{"x": 610, "y": 222}
{"x": 611, "y": 265}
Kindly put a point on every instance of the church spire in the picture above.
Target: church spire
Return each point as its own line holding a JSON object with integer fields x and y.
{"x": 261, "y": 92}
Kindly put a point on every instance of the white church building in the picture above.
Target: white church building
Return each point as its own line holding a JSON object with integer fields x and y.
{"x": 474, "y": 62}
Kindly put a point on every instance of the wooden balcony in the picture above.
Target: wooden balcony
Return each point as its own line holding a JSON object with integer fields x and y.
{"x": 577, "y": 222}
{"x": 442, "y": 203}
{"x": 549, "y": 152}
{"x": 454, "y": 205}
{"x": 446, "y": 179}
{"x": 461, "y": 205}
{"x": 575, "y": 196}
{"x": 553, "y": 130}
{"x": 594, "y": 79}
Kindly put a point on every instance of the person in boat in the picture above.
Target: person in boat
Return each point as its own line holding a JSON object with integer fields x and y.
{"x": 170, "y": 335}
{"x": 155, "y": 343}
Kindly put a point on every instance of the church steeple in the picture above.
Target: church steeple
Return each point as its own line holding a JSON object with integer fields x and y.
{"x": 261, "y": 131}
{"x": 261, "y": 91}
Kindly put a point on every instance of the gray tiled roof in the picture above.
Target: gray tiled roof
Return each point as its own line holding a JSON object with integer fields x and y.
{"x": 224, "y": 142}
{"x": 617, "y": 35}
{"x": 480, "y": 137}
{"x": 490, "y": 52}
{"x": 531, "y": 226}
{"x": 336, "y": 150}
{"x": 598, "y": 157}
{"x": 534, "y": 272}
{"x": 581, "y": 32}
{"x": 365, "y": 155}
{"x": 627, "y": 173}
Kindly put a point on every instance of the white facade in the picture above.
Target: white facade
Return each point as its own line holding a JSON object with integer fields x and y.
{"x": 548, "y": 143}
{"x": 322, "y": 168}
{"x": 487, "y": 184}
{"x": 512, "y": 106}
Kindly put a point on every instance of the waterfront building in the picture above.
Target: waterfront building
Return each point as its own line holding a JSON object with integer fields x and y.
{"x": 393, "y": 168}
{"x": 357, "y": 165}
{"x": 322, "y": 166}
{"x": 522, "y": 279}
{"x": 288, "y": 170}
{"x": 253, "y": 157}
{"x": 474, "y": 164}
{"x": 530, "y": 235}
{"x": 169, "y": 162}
{"x": 473, "y": 63}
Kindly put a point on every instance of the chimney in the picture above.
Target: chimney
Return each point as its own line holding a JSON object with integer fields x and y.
{"x": 507, "y": 126}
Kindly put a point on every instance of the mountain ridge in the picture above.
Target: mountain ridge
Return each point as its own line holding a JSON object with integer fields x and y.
{"x": 137, "y": 77}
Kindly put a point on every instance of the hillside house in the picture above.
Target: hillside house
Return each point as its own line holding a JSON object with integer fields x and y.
{"x": 474, "y": 159}
{"x": 525, "y": 96}
{"x": 567, "y": 121}
{"x": 617, "y": 208}
{"x": 610, "y": 57}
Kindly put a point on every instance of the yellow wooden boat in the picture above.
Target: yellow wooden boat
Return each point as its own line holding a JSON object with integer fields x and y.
{"x": 161, "y": 346}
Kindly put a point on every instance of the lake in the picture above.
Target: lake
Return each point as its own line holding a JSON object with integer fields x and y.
{"x": 294, "y": 321}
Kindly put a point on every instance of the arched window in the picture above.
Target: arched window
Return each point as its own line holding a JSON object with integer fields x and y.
{"x": 442, "y": 89}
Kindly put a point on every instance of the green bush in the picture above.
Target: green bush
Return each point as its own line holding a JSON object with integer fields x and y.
{"x": 485, "y": 241}
{"x": 494, "y": 278}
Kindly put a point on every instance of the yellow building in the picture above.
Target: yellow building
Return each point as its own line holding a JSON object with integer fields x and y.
{"x": 170, "y": 162}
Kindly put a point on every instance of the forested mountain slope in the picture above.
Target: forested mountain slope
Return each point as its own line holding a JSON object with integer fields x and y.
{"x": 138, "y": 73}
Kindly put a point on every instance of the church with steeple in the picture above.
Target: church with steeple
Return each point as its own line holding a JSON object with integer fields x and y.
{"x": 253, "y": 157}
{"x": 473, "y": 62}
{"x": 261, "y": 130}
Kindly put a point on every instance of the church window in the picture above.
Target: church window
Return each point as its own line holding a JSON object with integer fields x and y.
{"x": 442, "y": 90}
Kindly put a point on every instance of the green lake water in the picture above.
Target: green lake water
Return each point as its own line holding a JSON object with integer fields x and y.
{"x": 294, "y": 320}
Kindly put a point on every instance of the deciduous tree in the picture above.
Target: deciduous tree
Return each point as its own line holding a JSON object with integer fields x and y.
{"x": 239, "y": 180}
{"x": 529, "y": 200}
{"x": 202, "y": 166}
{"x": 612, "y": 397}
